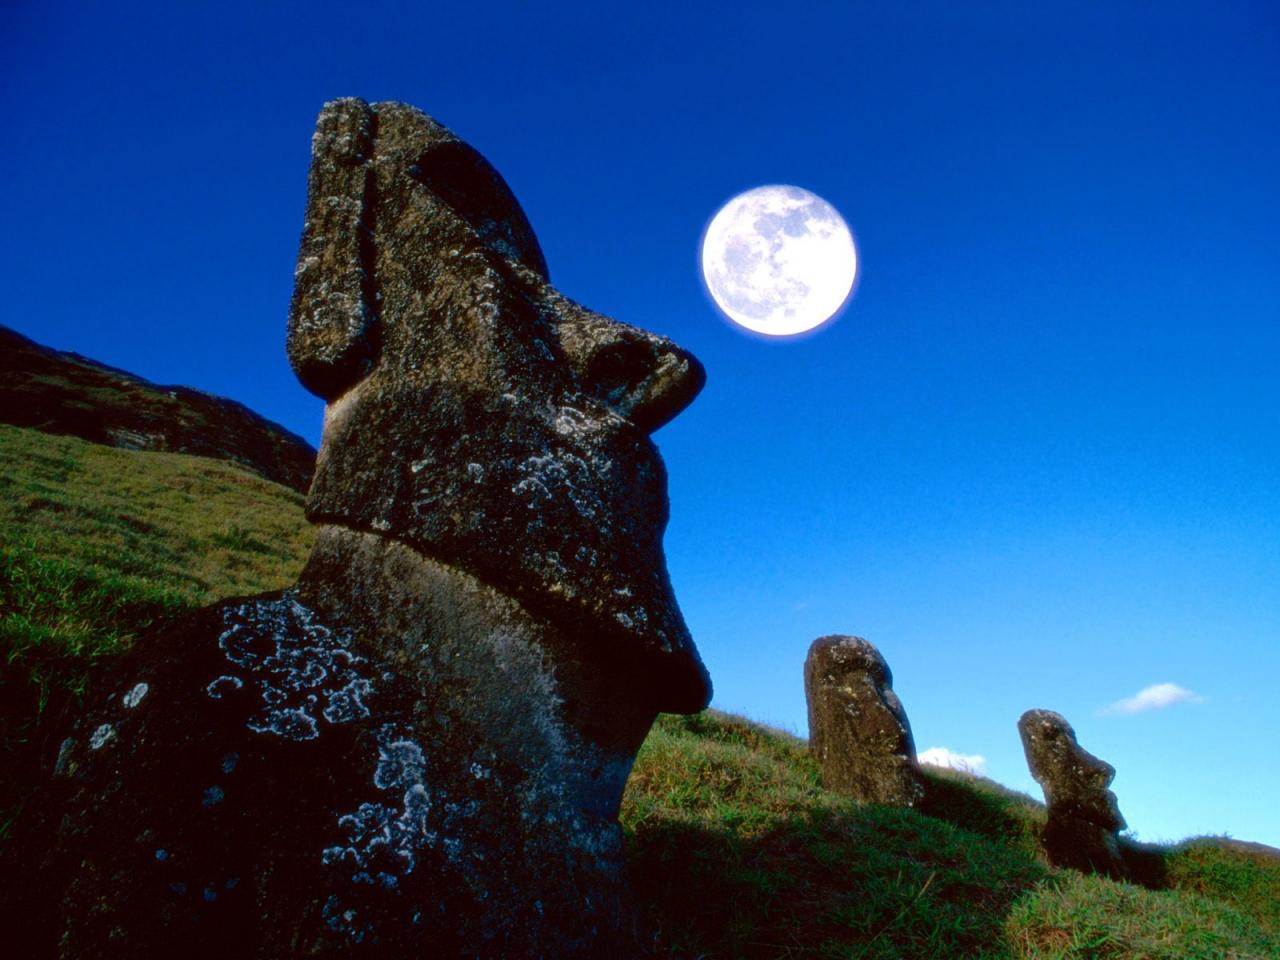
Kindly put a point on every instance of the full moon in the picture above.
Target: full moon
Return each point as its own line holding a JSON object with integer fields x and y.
{"x": 779, "y": 260}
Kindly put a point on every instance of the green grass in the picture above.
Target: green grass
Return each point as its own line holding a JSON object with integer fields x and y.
{"x": 1074, "y": 916}
{"x": 203, "y": 528}
{"x": 737, "y": 851}
{"x": 735, "y": 848}
{"x": 97, "y": 544}
{"x": 1246, "y": 879}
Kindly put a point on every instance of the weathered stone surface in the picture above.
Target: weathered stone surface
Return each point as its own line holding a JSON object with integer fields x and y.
{"x": 420, "y": 750}
{"x": 474, "y": 412}
{"x": 1084, "y": 822}
{"x": 71, "y": 395}
{"x": 858, "y": 730}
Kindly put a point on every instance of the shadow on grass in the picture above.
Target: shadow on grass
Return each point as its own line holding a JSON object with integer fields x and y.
{"x": 839, "y": 882}
{"x": 1146, "y": 863}
{"x": 1016, "y": 819}
{"x": 983, "y": 807}
{"x": 40, "y": 693}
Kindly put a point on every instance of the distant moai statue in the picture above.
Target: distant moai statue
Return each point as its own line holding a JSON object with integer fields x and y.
{"x": 1084, "y": 821}
{"x": 419, "y": 750}
{"x": 858, "y": 729}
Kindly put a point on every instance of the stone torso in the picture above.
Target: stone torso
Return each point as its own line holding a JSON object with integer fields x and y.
{"x": 290, "y": 785}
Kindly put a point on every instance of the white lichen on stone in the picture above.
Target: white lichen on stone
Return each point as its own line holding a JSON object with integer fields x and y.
{"x": 343, "y": 921}
{"x": 291, "y": 723}
{"x": 571, "y": 422}
{"x": 400, "y": 763}
{"x": 101, "y": 736}
{"x": 383, "y": 839}
{"x": 347, "y": 703}
{"x": 545, "y": 478}
{"x": 303, "y": 671}
{"x": 304, "y": 264}
{"x": 221, "y": 686}
{"x": 134, "y": 696}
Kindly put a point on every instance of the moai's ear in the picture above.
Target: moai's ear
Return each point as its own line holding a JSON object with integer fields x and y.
{"x": 333, "y": 319}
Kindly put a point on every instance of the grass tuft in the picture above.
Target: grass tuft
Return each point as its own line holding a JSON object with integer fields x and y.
{"x": 1075, "y": 917}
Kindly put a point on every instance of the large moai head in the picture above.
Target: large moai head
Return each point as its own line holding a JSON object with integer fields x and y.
{"x": 474, "y": 413}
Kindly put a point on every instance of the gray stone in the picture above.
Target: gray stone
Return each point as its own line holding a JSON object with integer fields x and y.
{"x": 475, "y": 413}
{"x": 420, "y": 750}
{"x": 1084, "y": 822}
{"x": 858, "y": 729}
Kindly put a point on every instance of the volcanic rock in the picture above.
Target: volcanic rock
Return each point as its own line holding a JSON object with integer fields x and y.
{"x": 1084, "y": 822}
{"x": 858, "y": 729}
{"x": 67, "y": 394}
{"x": 419, "y": 750}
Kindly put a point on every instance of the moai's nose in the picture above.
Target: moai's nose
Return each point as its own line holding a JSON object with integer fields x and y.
{"x": 641, "y": 376}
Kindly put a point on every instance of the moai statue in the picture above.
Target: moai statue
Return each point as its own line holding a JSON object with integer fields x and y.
{"x": 1084, "y": 822}
{"x": 858, "y": 730}
{"x": 421, "y": 748}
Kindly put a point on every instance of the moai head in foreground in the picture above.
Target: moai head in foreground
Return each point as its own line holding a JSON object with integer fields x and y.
{"x": 421, "y": 749}
{"x": 858, "y": 729}
{"x": 1084, "y": 820}
{"x": 474, "y": 413}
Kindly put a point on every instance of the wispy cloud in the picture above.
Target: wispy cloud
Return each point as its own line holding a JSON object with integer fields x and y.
{"x": 944, "y": 757}
{"x": 1156, "y": 697}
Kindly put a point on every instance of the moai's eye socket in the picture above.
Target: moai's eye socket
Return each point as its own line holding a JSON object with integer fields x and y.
{"x": 476, "y": 192}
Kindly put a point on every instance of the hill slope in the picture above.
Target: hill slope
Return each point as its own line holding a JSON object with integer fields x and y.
{"x": 96, "y": 543}
{"x": 71, "y": 395}
{"x": 737, "y": 851}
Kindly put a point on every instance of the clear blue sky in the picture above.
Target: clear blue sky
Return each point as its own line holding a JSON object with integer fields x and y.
{"x": 1037, "y": 461}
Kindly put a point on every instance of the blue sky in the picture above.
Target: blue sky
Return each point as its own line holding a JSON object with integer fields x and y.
{"x": 1035, "y": 462}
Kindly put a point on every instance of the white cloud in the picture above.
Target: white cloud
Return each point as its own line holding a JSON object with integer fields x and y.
{"x": 1155, "y": 697}
{"x": 944, "y": 757}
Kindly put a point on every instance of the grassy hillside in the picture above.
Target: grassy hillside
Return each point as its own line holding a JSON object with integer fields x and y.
{"x": 97, "y": 543}
{"x": 737, "y": 851}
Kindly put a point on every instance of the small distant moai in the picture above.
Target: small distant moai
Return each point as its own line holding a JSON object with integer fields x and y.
{"x": 1084, "y": 821}
{"x": 858, "y": 730}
